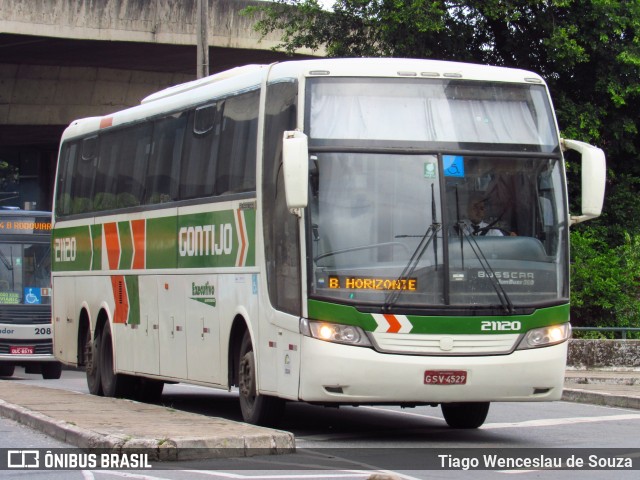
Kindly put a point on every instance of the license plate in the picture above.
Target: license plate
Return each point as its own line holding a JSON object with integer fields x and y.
{"x": 445, "y": 377}
{"x": 22, "y": 350}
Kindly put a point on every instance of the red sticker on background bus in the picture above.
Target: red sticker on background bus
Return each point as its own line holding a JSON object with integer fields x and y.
{"x": 22, "y": 350}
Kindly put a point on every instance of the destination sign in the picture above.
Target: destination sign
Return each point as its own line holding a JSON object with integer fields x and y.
{"x": 25, "y": 225}
{"x": 372, "y": 283}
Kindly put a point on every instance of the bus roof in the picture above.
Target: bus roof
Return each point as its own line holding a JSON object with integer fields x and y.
{"x": 251, "y": 76}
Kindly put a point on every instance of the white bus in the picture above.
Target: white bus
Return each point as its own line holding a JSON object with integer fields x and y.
{"x": 301, "y": 231}
{"x": 25, "y": 293}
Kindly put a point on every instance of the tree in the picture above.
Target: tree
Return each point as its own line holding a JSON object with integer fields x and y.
{"x": 604, "y": 280}
{"x": 587, "y": 50}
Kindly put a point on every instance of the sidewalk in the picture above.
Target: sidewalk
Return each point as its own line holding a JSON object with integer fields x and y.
{"x": 603, "y": 387}
{"x": 88, "y": 421}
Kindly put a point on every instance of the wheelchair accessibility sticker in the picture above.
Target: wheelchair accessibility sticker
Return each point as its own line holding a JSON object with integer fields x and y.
{"x": 453, "y": 165}
{"x": 32, "y": 296}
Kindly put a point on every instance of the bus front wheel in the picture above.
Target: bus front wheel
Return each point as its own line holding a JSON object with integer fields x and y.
{"x": 51, "y": 370}
{"x": 256, "y": 409}
{"x": 7, "y": 369}
{"x": 465, "y": 414}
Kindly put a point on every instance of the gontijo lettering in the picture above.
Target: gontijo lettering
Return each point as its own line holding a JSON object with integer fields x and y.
{"x": 64, "y": 249}
{"x": 373, "y": 283}
{"x": 202, "y": 240}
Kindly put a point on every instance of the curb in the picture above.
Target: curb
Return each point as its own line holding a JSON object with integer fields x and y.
{"x": 54, "y": 428}
{"x": 599, "y": 398}
{"x": 277, "y": 442}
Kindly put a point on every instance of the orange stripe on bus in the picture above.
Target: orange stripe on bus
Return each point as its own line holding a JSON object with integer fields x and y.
{"x": 121, "y": 298}
{"x": 113, "y": 244}
{"x": 243, "y": 238}
{"x": 394, "y": 324}
{"x": 106, "y": 122}
{"x": 139, "y": 242}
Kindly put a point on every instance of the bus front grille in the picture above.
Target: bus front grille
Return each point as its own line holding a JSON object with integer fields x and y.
{"x": 25, "y": 314}
{"x": 423, "y": 344}
{"x": 40, "y": 347}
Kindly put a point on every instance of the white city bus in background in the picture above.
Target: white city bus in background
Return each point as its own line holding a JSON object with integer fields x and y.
{"x": 298, "y": 230}
{"x": 25, "y": 293}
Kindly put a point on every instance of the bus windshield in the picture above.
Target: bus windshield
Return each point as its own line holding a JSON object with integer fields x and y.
{"x": 25, "y": 270}
{"x": 439, "y": 227}
{"x": 25, "y": 259}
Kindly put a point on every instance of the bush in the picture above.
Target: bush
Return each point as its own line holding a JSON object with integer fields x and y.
{"x": 604, "y": 279}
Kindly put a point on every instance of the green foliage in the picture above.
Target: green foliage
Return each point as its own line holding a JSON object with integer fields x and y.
{"x": 8, "y": 174}
{"x": 604, "y": 279}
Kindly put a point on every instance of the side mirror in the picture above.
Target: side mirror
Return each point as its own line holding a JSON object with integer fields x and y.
{"x": 594, "y": 175}
{"x": 295, "y": 160}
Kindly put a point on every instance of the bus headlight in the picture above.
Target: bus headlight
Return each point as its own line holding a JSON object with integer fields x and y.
{"x": 334, "y": 332}
{"x": 545, "y": 336}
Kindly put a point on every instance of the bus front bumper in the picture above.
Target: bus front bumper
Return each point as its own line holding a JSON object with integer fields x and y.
{"x": 334, "y": 373}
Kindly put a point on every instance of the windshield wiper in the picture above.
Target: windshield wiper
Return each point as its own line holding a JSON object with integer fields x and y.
{"x": 505, "y": 301}
{"x": 7, "y": 263}
{"x": 412, "y": 264}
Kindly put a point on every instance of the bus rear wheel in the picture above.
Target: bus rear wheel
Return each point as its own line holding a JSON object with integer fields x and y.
{"x": 256, "y": 409}
{"x": 113, "y": 384}
{"x": 92, "y": 362}
{"x": 465, "y": 414}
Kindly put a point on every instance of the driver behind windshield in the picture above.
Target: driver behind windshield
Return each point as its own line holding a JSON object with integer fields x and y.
{"x": 476, "y": 223}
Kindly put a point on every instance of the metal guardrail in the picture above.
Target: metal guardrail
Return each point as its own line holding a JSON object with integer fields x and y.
{"x": 622, "y": 330}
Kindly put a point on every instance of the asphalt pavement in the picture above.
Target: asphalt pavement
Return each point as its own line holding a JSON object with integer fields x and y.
{"x": 89, "y": 421}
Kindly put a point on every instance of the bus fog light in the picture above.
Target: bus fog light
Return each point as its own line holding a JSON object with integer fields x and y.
{"x": 545, "y": 336}
{"x": 334, "y": 332}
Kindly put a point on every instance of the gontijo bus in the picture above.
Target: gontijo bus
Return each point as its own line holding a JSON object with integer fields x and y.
{"x": 25, "y": 293}
{"x": 298, "y": 230}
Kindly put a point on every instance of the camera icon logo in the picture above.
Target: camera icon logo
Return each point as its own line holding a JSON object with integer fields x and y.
{"x": 23, "y": 459}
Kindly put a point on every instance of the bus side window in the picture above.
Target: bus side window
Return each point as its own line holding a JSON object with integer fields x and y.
{"x": 81, "y": 196}
{"x": 164, "y": 164}
{"x": 122, "y": 167}
{"x": 200, "y": 155}
{"x": 67, "y": 167}
{"x": 282, "y": 247}
{"x": 132, "y": 165}
{"x": 105, "y": 187}
{"x": 238, "y": 143}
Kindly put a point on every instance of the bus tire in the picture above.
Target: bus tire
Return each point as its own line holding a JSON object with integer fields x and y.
{"x": 7, "y": 369}
{"x": 256, "y": 409}
{"x": 113, "y": 384}
{"x": 465, "y": 414}
{"x": 51, "y": 370}
{"x": 92, "y": 362}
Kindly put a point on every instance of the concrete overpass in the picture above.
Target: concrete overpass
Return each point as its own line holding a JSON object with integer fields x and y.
{"x": 66, "y": 59}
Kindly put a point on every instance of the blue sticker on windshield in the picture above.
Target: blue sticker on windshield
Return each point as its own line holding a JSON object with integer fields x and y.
{"x": 453, "y": 165}
{"x": 32, "y": 296}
